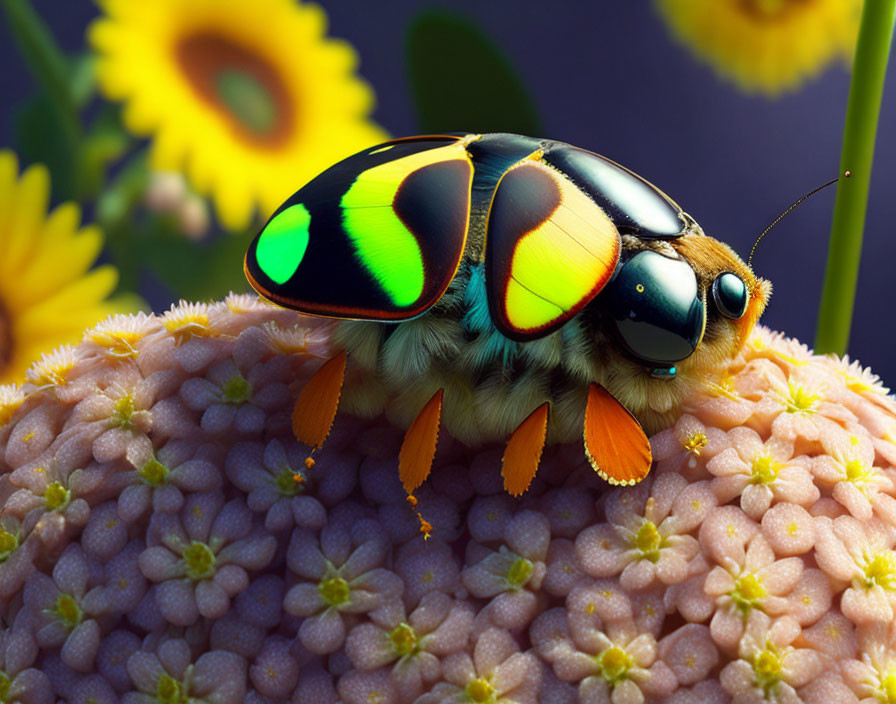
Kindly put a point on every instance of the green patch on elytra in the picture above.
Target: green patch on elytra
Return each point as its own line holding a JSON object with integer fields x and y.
{"x": 200, "y": 561}
{"x": 282, "y": 244}
{"x": 403, "y": 639}
{"x": 57, "y": 497}
{"x": 153, "y": 473}
{"x": 386, "y": 248}
{"x": 247, "y": 99}
{"x": 236, "y": 390}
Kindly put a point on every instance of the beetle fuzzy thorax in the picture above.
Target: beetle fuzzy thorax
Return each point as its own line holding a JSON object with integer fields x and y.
{"x": 492, "y": 383}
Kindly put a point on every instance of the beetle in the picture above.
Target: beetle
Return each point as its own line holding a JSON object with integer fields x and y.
{"x": 511, "y": 288}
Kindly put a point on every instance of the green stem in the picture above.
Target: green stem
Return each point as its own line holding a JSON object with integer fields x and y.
{"x": 46, "y": 61}
{"x": 862, "y": 111}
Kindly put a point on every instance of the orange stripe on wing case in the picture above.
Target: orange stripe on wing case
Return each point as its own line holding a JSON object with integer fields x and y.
{"x": 419, "y": 446}
{"x": 315, "y": 409}
{"x": 523, "y": 451}
{"x": 615, "y": 442}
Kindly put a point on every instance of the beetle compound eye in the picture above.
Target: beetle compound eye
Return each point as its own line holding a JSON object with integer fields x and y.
{"x": 730, "y": 295}
{"x": 657, "y": 307}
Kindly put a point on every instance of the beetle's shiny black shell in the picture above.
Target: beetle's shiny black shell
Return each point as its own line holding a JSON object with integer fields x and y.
{"x": 634, "y": 205}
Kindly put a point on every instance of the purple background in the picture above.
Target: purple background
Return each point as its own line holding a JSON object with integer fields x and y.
{"x": 608, "y": 77}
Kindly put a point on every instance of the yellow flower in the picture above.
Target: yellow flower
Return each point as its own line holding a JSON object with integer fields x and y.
{"x": 47, "y": 295}
{"x": 248, "y": 99}
{"x": 766, "y": 46}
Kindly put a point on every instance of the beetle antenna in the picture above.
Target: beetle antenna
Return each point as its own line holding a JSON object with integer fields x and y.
{"x": 778, "y": 219}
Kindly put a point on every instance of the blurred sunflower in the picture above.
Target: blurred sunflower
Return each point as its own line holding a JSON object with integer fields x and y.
{"x": 248, "y": 99}
{"x": 766, "y": 46}
{"x": 47, "y": 295}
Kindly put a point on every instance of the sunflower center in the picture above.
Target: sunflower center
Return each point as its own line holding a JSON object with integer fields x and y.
{"x": 241, "y": 84}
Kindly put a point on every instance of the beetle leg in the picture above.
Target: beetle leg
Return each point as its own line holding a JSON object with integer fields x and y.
{"x": 523, "y": 451}
{"x": 418, "y": 450}
{"x": 615, "y": 442}
{"x": 316, "y": 406}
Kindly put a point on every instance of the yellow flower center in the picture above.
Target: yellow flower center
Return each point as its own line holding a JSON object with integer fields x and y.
{"x": 403, "y": 639}
{"x": 648, "y": 541}
{"x": 236, "y": 390}
{"x": 5, "y": 684}
{"x": 241, "y": 84}
{"x": 124, "y": 412}
{"x": 881, "y": 570}
{"x": 519, "y": 572}
{"x": 856, "y": 472}
{"x": 613, "y": 664}
{"x": 186, "y": 322}
{"x": 765, "y": 470}
{"x": 67, "y": 611}
{"x": 8, "y": 543}
{"x": 748, "y": 591}
{"x": 767, "y": 669}
{"x": 10, "y": 400}
{"x": 886, "y": 693}
{"x": 289, "y": 482}
{"x": 800, "y": 400}
{"x": 154, "y": 473}
{"x": 200, "y": 561}
{"x": 334, "y": 591}
{"x": 119, "y": 343}
{"x": 481, "y": 691}
{"x": 56, "y": 496}
{"x": 695, "y": 443}
{"x": 170, "y": 691}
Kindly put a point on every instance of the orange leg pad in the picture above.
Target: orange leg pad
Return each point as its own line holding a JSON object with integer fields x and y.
{"x": 419, "y": 446}
{"x": 316, "y": 406}
{"x": 523, "y": 451}
{"x": 616, "y": 445}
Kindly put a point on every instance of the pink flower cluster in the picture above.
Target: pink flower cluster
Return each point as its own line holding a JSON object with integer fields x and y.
{"x": 162, "y": 539}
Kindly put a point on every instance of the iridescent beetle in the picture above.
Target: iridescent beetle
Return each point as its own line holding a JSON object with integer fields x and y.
{"x": 533, "y": 289}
